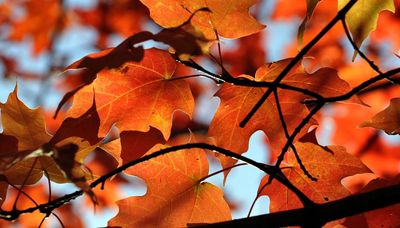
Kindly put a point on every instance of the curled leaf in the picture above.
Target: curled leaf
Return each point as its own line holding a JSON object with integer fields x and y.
{"x": 387, "y": 120}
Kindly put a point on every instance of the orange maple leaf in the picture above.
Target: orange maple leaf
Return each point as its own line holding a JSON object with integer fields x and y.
{"x": 329, "y": 165}
{"x": 230, "y": 18}
{"x": 175, "y": 194}
{"x": 137, "y": 95}
{"x": 388, "y": 119}
{"x": 237, "y": 101}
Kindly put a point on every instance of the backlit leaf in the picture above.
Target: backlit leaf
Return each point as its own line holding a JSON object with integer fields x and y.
{"x": 27, "y": 148}
{"x": 137, "y": 95}
{"x": 175, "y": 194}
{"x": 363, "y": 16}
{"x": 388, "y": 119}
{"x": 25, "y": 124}
{"x": 329, "y": 166}
{"x": 237, "y": 101}
{"x": 230, "y": 18}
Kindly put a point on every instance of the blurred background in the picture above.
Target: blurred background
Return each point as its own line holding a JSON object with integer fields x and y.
{"x": 40, "y": 38}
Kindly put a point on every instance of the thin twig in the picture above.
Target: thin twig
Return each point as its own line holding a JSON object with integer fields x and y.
{"x": 24, "y": 193}
{"x": 256, "y": 198}
{"x": 297, "y": 59}
{"x": 220, "y": 171}
{"x": 192, "y": 76}
{"x": 225, "y": 77}
{"x": 285, "y": 129}
{"x": 24, "y": 182}
{"x": 357, "y": 49}
{"x": 59, "y": 220}
{"x": 361, "y": 87}
{"x": 296, "y": 131}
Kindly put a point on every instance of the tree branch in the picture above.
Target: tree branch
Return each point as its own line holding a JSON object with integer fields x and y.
{"x": 322, "y": 213}
{"x": 285, "y": 129}
{"x": 296, "y": 59}
{"x": 348, "y": 35}
{"x": 47, "y": 208}
{"x": 361, "y": 87}
{"x": 243, "y": 81}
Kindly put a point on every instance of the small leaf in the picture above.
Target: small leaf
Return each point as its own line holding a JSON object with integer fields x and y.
{"x": 25, "y": 124}
{"x": 311, "y": 4}
{"x": 387, "y": 120}
{"x": 363, "y": 16}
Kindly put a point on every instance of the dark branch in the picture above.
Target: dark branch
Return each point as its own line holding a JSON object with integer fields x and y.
{"x": 361, "y": 87}
{"x": 297, "y": 59}
{"x": 322, "y": 213}
{"x": 297, "y": 131}
{"x": 226, "y": 77}
{"x": 47, "y": 208}
{"x": 357, "y": 49}
{"x": 285, "y": 129}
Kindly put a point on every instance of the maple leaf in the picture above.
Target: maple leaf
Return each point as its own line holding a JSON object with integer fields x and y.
{"x": 188, "y": 201}
{"x": 230, "y": 19}
{"x": 363, "y": 16}
{"x": 106, "y": 59}
{"x": 388, "y": 119}
{"x": 27, "y": 150}
{"x": 181, "y": 42}
{"x": 237, "y": 101}
{"x": 27, "y": 127}
{"x": 25, "y": 124}
{"x": 137, "y": 95}
{"x": 329, "y": 165}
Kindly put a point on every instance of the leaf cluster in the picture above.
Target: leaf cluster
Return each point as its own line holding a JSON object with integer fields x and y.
{"x": 132, "y": 110}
